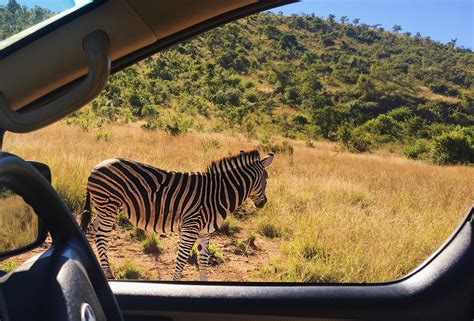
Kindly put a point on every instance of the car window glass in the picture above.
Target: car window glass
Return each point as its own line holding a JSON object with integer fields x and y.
{"x": 21, "y": 18}
{"x": 364, "y": 136}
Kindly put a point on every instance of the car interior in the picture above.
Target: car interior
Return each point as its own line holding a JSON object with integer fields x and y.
{"x": 73, "y": 58}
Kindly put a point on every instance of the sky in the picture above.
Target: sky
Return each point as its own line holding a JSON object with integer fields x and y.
{"x": 441, "y": 20}
{"x": 53, "y": 5}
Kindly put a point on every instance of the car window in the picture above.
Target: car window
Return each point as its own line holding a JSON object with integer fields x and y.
{"x": 364, "y": 135}
{"x": 21, "y": 19}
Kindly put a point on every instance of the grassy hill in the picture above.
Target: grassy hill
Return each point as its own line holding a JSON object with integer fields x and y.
{"x": 308, "y": 78}
{"x": 297, "y": 76}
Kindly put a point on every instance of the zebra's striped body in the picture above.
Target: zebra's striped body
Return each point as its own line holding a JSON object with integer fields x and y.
{"x": 194, "y": 204}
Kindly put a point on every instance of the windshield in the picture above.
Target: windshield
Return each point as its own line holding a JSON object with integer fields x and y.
{"x": 19, "y": 19}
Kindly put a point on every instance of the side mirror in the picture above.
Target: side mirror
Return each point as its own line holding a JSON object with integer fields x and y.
{"x": 20, "y": 227}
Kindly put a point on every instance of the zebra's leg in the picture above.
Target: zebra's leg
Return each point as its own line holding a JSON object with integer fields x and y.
{"x": 187, "y": 239}
{"x": 202, "y": 244}
{"x": 101, "y": 241}
{"x": 92, "y": 230}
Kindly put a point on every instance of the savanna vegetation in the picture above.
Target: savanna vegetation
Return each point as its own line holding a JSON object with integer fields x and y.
{"x": 308, "y": 78}
{"x": 18, "y": 222}
{"x": 332, "y": 215}
{"x": 343, "y": 105}
{"x": 15, "y": 18}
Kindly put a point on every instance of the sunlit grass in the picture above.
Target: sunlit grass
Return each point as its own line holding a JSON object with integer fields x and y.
{"x": 338, "y": 217}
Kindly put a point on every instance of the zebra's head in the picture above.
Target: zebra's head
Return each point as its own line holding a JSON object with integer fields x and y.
{"x": 257, "y": 194}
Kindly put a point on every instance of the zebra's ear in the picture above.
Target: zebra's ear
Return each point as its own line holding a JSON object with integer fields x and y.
{"x": 267, "y": 160}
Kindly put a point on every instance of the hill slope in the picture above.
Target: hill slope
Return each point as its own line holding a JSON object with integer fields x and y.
{"x": 299, "y": 77}
{"x": 303, "y": 77}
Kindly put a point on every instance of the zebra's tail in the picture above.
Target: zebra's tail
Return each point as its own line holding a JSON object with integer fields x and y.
{"x": 86, "y": 213}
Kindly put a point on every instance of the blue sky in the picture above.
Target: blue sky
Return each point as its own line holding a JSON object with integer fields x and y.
{"x": 53, "y": 5}
{"x": 441, "y": 20}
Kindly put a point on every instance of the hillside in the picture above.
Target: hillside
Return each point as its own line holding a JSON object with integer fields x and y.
{"x": 298, "y": 77}
{"x": 303, "y": 77}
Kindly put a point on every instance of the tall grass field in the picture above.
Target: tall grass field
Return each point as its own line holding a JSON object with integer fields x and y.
{"x": 332, "y": 216}
{"x": 18, "y": 223}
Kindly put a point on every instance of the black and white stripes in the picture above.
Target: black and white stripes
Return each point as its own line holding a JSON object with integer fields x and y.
{"x": 194, "y": 204}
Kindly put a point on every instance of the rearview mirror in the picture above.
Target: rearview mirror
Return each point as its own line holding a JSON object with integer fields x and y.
{"x": 20, "y": 227}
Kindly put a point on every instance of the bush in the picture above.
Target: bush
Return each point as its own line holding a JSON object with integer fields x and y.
{"x": 151, "y": 245}
{"x": 127, "y": 270}
{"x": 176, "y": 126}
{"x": 444, "y": 89}
{"x": 360, "y": 142}
{"x": 454, "y": 147}
{"x": 228, "y": 227}
{"x": 210, "y": 144}
{"x": 215, "y": 256}
{"x": 283, "y": 148}
{"x": 417, "y": 149}
{"x": 384, "y": 127}
{"x": 355, "y": 140}
{"x": 103, "y": 135}
{"x": 123, "y": 220}
{"x": 251, "y": 238}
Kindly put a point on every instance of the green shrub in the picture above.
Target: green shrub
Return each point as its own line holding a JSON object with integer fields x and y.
{"x": 251, "y": 238}
{"x": 215, "y": 256}
{"x": 123, "y": 220}
{"x": 176, "y": 126}
{"x": 240, "y": 247}
{"x": 356, "y": 140}
{"x": 454, "y": 147}
{"x": 417, "y": 149}
{"x": 283, "y": 148}
{"x": 210, "y": 144}
{"x": 384, "y": 129}
{"x": 444, "y": 89}
{"x": 151, "y": 244}
{"x": 103, "y": 135}
{"x": 128, "y": 271}
{"x": 228, "y": 227}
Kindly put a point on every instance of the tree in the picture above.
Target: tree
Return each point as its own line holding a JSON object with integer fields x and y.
{"x": 356, "y": 21}
{"x": 396, "y": 28}
{"x": 344, "y": 19}
{"x": 331, "y": 18}
{"x": 454, "y": 147}
{"x": 452, "y": 42}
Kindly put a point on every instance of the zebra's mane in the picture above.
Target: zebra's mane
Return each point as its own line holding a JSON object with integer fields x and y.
{"x": 252, "y": 157}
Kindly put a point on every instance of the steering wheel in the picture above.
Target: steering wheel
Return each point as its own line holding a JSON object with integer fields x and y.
{"x": 63, "y": 283}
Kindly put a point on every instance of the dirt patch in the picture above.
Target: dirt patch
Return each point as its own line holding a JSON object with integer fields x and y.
{"x": 242, "y": 260}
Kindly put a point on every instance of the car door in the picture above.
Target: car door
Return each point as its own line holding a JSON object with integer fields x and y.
{"x": 56, "y": 70}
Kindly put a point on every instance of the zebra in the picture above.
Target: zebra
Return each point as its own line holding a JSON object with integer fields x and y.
{"x": 195, "y": 204}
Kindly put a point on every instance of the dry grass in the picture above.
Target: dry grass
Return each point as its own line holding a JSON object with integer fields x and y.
{"x": 340, "y": 217}
{"x": 18, "y": 224}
